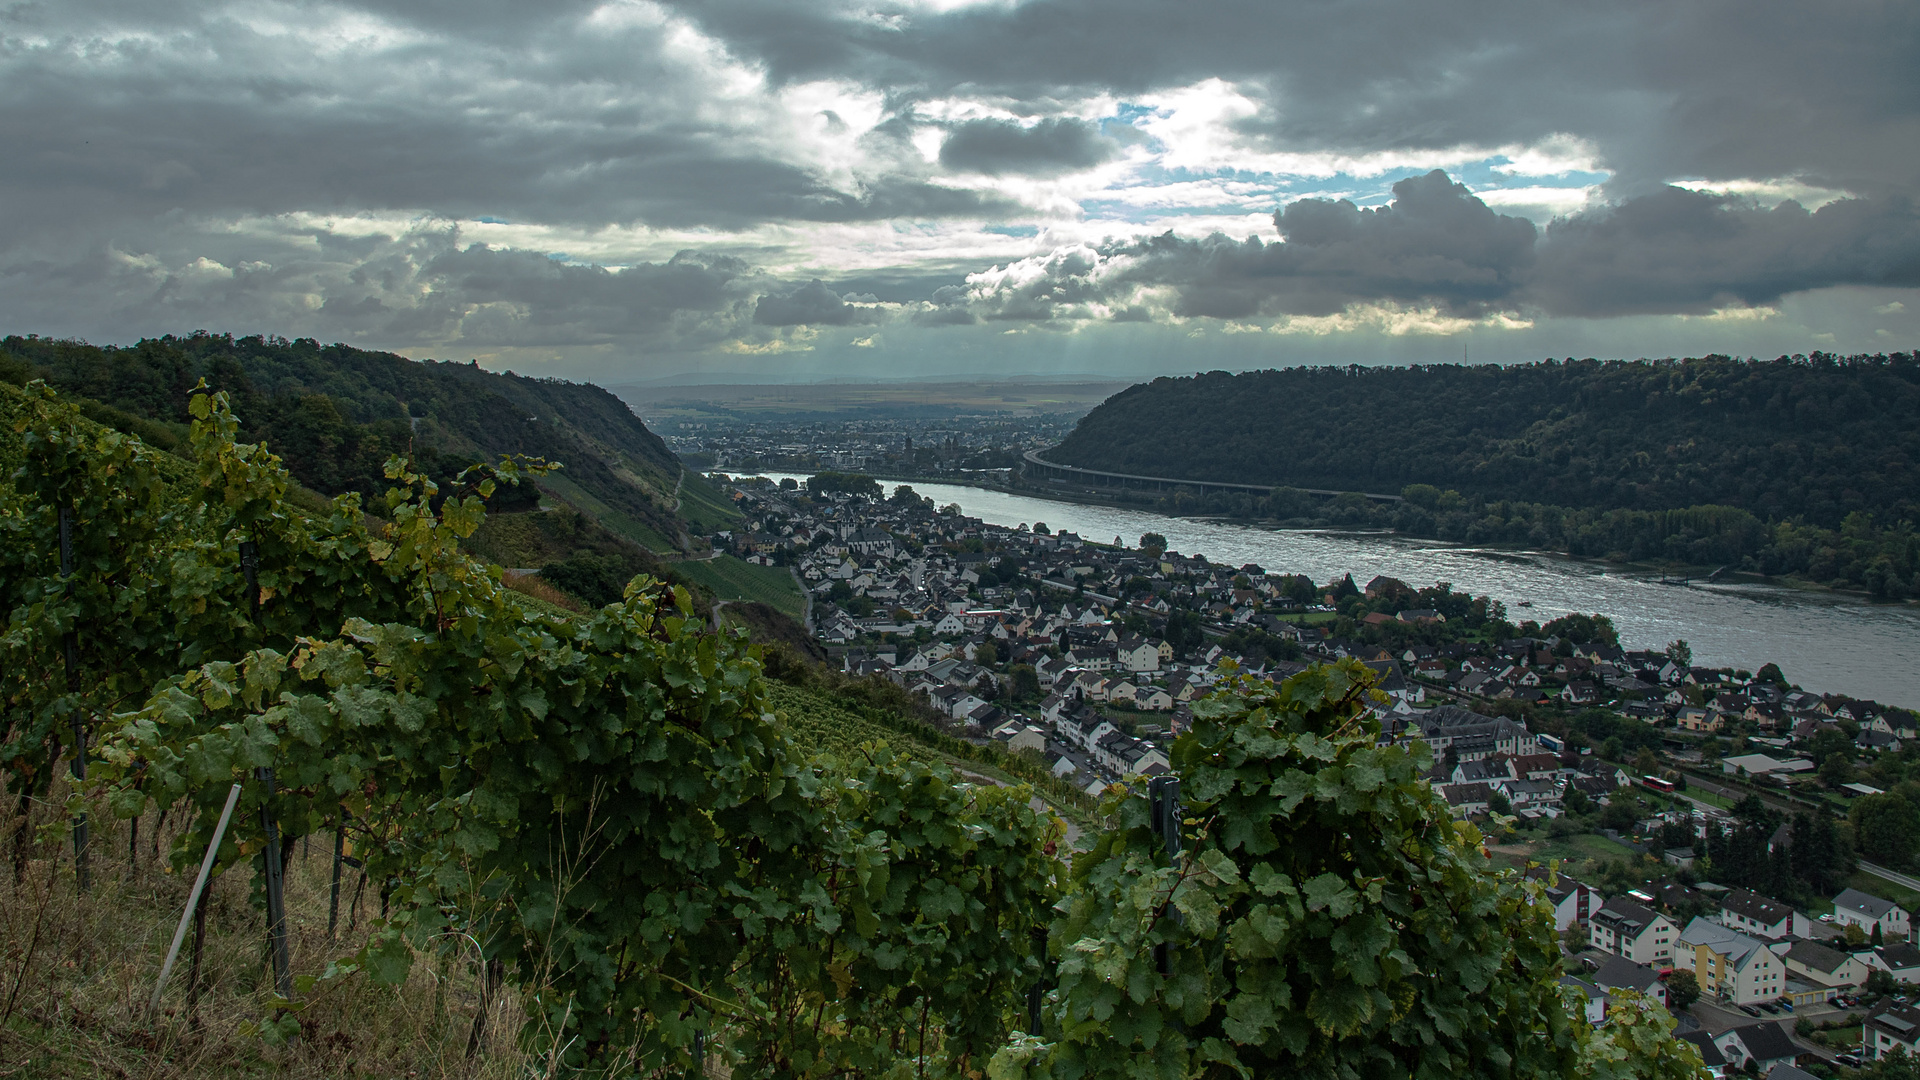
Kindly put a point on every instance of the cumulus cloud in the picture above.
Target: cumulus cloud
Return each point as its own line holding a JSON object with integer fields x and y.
{"x": 1437, "y": 246}
{"x": 812, "y": 304}
{"x": 421, "y": 287}
{"x": 1050, "y": 147}
{"x": 1677, "y": 251}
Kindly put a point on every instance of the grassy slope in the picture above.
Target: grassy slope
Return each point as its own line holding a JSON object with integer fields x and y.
{"x": 704, "y": 506}
{"x": 78, "y": 972}
{"x": 733, "y": 579}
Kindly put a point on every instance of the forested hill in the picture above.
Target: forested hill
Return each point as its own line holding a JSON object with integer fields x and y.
{"x": 1804, "y": 437}
{"x": 335, "y": 413}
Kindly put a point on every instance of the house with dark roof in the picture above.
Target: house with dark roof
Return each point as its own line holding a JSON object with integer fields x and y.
{"x": 1466, "y": 800}
{"x": 1901, "y": 961}
{"x": 1634, "y": 931}
{"x": 1763, "y": 917}
{"x": 1619, "y": 973}
{"x": 1572, "y": 902}
{"x": 1889, "y": 1029}
{"x": 1765, "y": 1044}
{"x": 1470, "y": 735}
{"x": 1824, "y": 966}
{"x": 1710, "y": 1055}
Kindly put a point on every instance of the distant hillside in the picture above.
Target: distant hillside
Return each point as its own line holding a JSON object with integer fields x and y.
{"x": 1805, "y": 437}
{"x": 335, "y": 413}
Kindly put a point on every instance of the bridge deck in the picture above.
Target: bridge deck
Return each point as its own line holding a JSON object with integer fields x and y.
{"x": 1033, "y": 457}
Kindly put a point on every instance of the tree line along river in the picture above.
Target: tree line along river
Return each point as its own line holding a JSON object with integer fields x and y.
{"x": 1822, "y": 641}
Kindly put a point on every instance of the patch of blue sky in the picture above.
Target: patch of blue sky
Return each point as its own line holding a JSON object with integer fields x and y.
{"x": 1492, "y": 173}
{"x": 492, "y": 221}
{"x": 1013, "y": 230}
{"x": 1155, "y": 192}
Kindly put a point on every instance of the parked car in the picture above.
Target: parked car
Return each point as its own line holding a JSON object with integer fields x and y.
{"x": 1851, "y": 1059}
{"x": 1750, "y": 1010}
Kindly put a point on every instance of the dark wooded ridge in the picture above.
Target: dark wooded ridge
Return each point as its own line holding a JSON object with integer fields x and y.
{"x": 1814, "y": 437}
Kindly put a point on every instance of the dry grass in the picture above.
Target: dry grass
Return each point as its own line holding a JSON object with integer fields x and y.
{"x": 536, "y": 586}
{"x": 76, "y": 973}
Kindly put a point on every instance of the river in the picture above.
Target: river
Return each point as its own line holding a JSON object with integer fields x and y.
{"x": 1822, "y": 641}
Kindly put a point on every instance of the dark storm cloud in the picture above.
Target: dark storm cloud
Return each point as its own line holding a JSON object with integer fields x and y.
{"x": 1435, "y": 242}
{"x": 812, "y": 304}
{"x": 1668, "y": 252}
{"x": 147, "y": 110}
{"x": 1719, "y": 89}
{"x": 1687, "y": 252}
{"x": 419, "y": 288}
{"x": 1050, "y": 147}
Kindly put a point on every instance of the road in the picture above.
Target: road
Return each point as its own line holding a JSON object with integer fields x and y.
{"x": 1898, "y": 879}
{"x": 1033, "y": 457}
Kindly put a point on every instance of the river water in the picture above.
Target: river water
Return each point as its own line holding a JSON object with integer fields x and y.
{"x": 1824, "y": 642}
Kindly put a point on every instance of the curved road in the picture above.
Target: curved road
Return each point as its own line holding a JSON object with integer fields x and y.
{"x": 1033, "y": 457}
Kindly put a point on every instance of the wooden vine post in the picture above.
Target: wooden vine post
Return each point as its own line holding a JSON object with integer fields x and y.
{"x": 71, "y": 641}
{"x": 276, "y": 870}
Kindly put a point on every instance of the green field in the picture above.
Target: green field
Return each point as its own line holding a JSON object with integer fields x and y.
{"x": 1886, "y": 890}
{"x": 731, "y": 579}
{"x": 1710, "y": 799}
{"x": 1571, "y": 851}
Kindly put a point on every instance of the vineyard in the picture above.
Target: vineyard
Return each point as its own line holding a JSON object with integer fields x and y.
{"x": 732, "y": 579}
{"x": 614, "y": 836}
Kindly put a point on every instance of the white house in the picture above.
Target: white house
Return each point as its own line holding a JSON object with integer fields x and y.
{"x": 1864, "y": 910}
{"x": 1900, "y": 961}
{"x": 1632, "y": 930}
{"x": 1888, "y": 1029}
{"x": 1138, "y": 654}
{"x": 1572, "y": 903}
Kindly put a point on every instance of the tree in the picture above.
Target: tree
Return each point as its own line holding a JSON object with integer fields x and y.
{"x": 1583, "y": 629}
{"x": 1574, "y": 937}
{"x": 986, "y": 654}
{"x": 1024, "y": 681}
{"x": 1646, "y": 762}
{"x": 1040, "y": 528}
{"x": 1683, "y": 989}
{"x": 1887, "y": 827}
{"x": 1576, "y": 801}
{"x": 1153, "y": 543}
{"x": 1680, "y": 652}
{"x": 1499, "y": 803}
{"x": 848, "y": 483}
{"x": 1876, "y": 939}
{"x": 1836, "y": 770}
{"x": 1770, "y": 673}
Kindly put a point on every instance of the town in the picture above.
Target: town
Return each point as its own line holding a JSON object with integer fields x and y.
{"x": 1719, "y": 839}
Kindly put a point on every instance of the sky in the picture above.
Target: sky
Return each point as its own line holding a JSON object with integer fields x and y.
{"x": 794, "y": 190}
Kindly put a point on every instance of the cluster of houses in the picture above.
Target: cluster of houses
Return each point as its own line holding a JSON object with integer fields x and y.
{"x": 1747, "y": 950}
